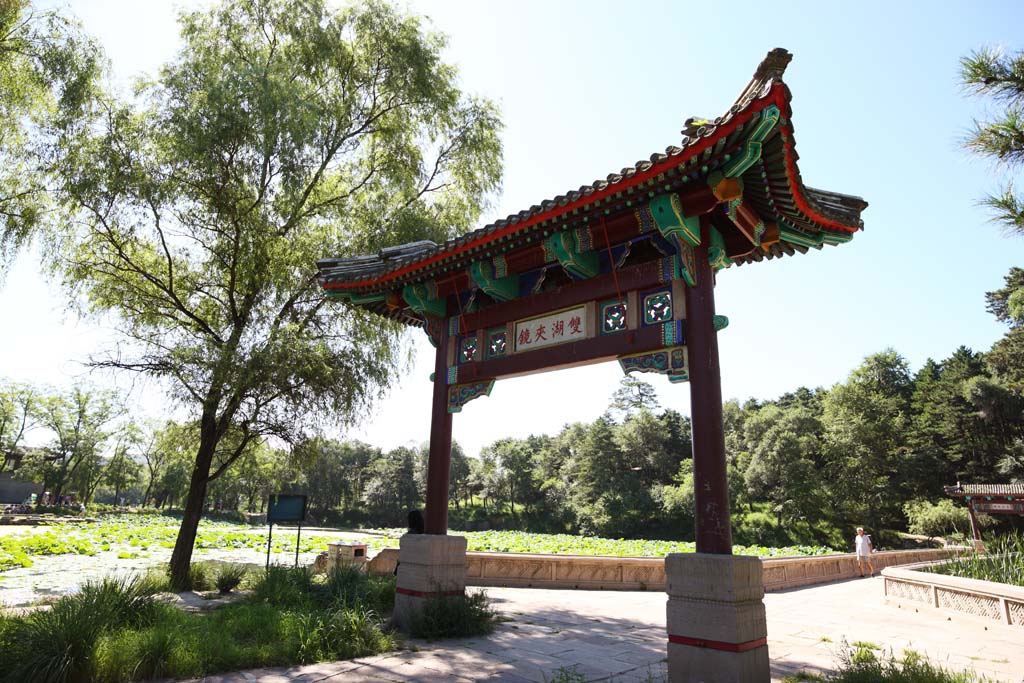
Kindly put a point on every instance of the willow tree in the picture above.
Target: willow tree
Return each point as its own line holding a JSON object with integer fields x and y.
{"x": 283, "y": 131}
{"x": 48, "y": 69}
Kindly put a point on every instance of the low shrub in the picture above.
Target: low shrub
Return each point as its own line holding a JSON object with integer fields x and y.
{"x": 347, "y": 586}
{"x": 862, "y": 665}
{"x": 230, "y": 577}
{"x": 457, "y": 616}
{"x": 284, "y": 587}
{"x": 113, "y": 631}
{"x": 58, "y": 645}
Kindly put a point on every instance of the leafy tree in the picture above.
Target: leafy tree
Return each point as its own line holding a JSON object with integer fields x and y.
{"x": 1007, "y": 304}
{"x": 123, "y": 471}
{"x": 515, "y": 459}
{"x": 283, "y": 132}
{"x": 937, "y": 519}
{"x": 17, "y": 416}
{"x": 633, "y": 395}
{"x": 865, "y": 423}
{"x": 48, "y": 70}
{"x": 1006, "y": 357}
{"x": 171, "y": 443}
{"x": 79, "y": 420}
{"x": 996, "y": 74}
{"x": 391, "y": 484}
{"x": 333, "y": 472}
{"x": 781, "y": 468}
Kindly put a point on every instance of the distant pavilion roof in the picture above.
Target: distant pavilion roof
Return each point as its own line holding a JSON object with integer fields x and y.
{"x": 795, "y": 217}
{"x": 962, "y": 490}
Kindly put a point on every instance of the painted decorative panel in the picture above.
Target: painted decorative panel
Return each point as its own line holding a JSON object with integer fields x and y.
{"x": 468, "y": 348}
{"x": 657, "y": 307}
{"x": 497, "y": 343}
{"x": 551, "y": 329}
{"x": 613, "y": 317}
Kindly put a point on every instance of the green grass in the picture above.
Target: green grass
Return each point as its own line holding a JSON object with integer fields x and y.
{"x": 460, "y": 616}
{"x": 130, "y": 535}
{"x": 1003, "y": 563}
{"x": 862, "y": 665}
{"x": 566, "y": 544}
{"x": 114, "y": 631}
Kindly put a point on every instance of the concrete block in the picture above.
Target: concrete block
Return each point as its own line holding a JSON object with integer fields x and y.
{"x": 428, "y": 565}
{"x": 725, "y": 578}
{"x": 716, "y": 601}
{"x": 700, "y": 665}
{"x": 726, "y": 622}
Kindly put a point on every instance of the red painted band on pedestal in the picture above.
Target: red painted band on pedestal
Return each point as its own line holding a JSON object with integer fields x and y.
{"x": 427, "y": 594}
{"x": 717, "y": 644}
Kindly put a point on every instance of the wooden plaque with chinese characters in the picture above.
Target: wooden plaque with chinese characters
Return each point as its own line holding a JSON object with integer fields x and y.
{"x": 638, "y": 319}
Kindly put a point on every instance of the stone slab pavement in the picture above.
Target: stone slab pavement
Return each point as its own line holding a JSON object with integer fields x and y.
{"x": 620, "y": 636}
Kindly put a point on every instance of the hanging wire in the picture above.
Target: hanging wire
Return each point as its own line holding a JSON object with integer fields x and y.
{"x": 615, "y": 271}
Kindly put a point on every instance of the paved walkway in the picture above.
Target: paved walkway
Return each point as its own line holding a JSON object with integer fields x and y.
{"x": 621, "y": 636}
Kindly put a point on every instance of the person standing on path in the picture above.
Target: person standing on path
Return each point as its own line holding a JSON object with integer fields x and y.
{"x": 862, "y": 544}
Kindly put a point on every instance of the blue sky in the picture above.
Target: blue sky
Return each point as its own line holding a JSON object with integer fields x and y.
{"x": 587, "y": 88}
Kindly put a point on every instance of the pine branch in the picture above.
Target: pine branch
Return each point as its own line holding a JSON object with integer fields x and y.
{"x": 1008, "y": 210}
{"x": 990, "y": 72}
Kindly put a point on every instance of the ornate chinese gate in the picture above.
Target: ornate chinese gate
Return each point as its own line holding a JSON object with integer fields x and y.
{"x": 992, "y": 499}
{"x": 621, "y": 269}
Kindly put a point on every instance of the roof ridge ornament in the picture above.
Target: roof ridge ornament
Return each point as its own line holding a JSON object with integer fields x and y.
{"x": 773, "y": 65}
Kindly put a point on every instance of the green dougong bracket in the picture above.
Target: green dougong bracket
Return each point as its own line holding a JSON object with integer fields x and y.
{"x": 498, "y": 288}
{"x": 682, "y": 232}
{"x": 358, "y": 299}
{"x": 419, "y": 298}
{"x": 667, "y": 212}
{"x": 716, "y": 251}
{"x": 669, "y": 361}
{"x": 580, "y": 264}
{"x": 751, "y": 151}
{"x": 799, "y": 238}
{"x": 461, "y": 394}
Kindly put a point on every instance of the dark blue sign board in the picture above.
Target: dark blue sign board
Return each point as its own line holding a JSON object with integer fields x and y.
{"x": 286, "y": 508}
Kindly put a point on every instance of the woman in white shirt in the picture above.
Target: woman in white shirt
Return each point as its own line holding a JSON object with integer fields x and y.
{"x": 863, "y": 548}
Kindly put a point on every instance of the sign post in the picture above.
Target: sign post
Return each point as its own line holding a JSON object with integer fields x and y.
{"x": 286, "y": 508}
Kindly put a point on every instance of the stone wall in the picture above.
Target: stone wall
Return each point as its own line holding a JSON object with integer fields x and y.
{"x": 524, "y": 570}
{"x": 949, "y": 596}
{"x": 15, "y": 491}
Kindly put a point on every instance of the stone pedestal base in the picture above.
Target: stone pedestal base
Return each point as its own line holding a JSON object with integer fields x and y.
{"x": 428, "y": 565}
{"x": 716, "y": 623}
{"x": 979, "y": 545}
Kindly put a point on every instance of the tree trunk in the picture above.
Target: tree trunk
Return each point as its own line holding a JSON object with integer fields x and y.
{"x": 181, "y": 557}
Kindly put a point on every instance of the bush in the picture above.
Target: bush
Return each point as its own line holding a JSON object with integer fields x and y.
{"x": 936, "y": 519}
{"x": 200, "y": 577}
{"x": 113, "y": 631}
{"x": 457, "y": 616}
{"x": 230, "y": 577}
{"x": 284, "y": 587}
{"x": 348, "y": 586}
{"x": 863, "y": 666}
{"x": 339, "y": 634}
{"x": 58, "y": 645}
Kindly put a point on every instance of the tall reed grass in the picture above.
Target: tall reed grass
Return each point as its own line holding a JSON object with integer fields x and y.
{"x": 1002, "y": 563}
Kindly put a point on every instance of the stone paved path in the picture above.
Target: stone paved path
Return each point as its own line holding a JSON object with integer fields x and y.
{"x": 622, "y": 636}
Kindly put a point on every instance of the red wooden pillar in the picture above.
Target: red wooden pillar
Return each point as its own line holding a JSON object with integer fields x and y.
{"x": 975, "y": 529}
{"x": 439, "y": 460}
{"x": 711, "y": 489}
